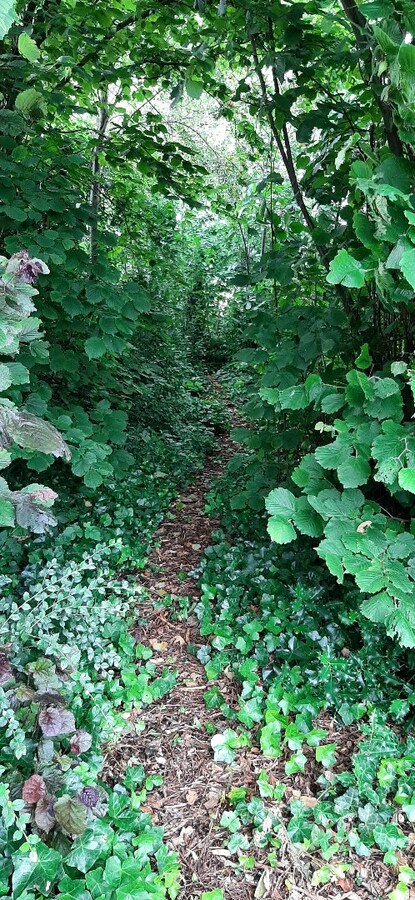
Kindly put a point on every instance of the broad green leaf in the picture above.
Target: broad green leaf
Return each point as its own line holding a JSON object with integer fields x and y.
{"x": 406, "y": 480}
{"x": 408, "y": 266}
{"x": 346, "y": 270}
{"x": 388, "y": 43}
{"x": 378, "y": 608}
{"x": 5, "y": 459}
{"x": 280, "y": 530}
{"x": 306, "y": 519}
{"x": 7, "y": 517}
{"x": 403, "y": 628}
{"x": 406, "y": 58}
{"x": 27, "y": 47}
{"x": 280, "y": 502}
{"x": 354, "y": 472}
{"x": 19, "y": 374}
{"x": 294, "y": 397}
{"x": 29, "y": 101}
{"x": 372, "y": 579}
{"x": 95, "y": 348}
{"x": 7, "y": 16}
{"x": 5, "y": 377}
{"x": 376, "y": 9}
{"x": 194, "y": 88}
{"x": 398, "y": 368}
{"x": 34, "y": 433}
{"x": 364, "y": 360}
{"x": 334, "y": 566}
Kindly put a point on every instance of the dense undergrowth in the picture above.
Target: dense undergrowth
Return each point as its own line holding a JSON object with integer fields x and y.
{"x": 305, "y": 667}
{"x": 71, "y": 675}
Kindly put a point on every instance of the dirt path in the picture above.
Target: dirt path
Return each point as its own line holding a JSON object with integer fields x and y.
{"x": 176, "y": 743}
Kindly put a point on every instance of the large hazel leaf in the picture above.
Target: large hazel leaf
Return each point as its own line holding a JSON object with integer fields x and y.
{"x": 378, "y": 608}
{"x": 32, "y": 433}
{"x": 7, "y": 16}
{"x": 354, "y": 472}
{"x": 280, "y": 502}
{"x": 346, "y": 270}
{"x": 280, "y": 530}
{"x": 408, "y": 266}
{"x": 406, "y": 479}
{"x": 27, "y": 47}
{"x": 30, "y": 513}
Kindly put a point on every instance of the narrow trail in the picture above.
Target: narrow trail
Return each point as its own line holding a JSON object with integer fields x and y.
{"x": 176, "y": 743}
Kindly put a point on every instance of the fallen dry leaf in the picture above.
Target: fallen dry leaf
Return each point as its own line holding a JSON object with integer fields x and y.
{"x": 213, "y": 800}
{"x": 308, "y": 801}
{"x": 191, "y": 797}
{"x": 157, "y": 645}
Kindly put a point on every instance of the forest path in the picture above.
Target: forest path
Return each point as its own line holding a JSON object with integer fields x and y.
{"x": 176, "y": 741}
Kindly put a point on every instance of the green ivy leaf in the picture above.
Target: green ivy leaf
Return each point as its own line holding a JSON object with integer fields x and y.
{"x": 389, "y": 837}
{"x": 36, "y": 867}
{"x": 270, "y": 740}
{"x": 94, "y": 844}
{"x": 326, "y": 755}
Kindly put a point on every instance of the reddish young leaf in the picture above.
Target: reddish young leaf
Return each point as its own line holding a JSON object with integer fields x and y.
{"x": 50, "y": 721}
{"x": 6, "y": 671}
{"x": 89, "y": 796}
{"x": 80, "y": 741}
{"x": 44, "y": 815}
{"x": 33, "y": 789}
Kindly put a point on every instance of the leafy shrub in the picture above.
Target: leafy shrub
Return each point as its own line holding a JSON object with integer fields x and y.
{"x": 28, "y": 507}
